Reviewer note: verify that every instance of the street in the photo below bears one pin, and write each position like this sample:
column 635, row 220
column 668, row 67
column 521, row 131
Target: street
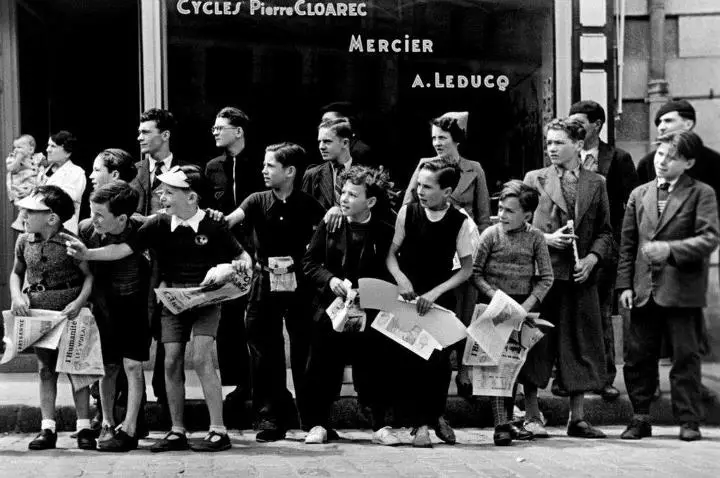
column 474, row 455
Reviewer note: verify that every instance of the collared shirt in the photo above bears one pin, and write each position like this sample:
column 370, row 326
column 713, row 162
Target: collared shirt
column 336, row 172
column 164, row 168
column 590, row 164
column 671, row 183
column 561, row 171
column 193, row 222
column 46, row 261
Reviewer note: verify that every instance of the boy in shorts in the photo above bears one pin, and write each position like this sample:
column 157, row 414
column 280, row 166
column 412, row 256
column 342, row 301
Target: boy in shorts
column 188, row 243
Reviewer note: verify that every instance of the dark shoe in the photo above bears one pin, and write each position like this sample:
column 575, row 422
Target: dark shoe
column 445, row 432
column 583, row 429
column 45, row 440
column 421, row 437
column 690, row 432
column 609, row 393
column 171, row 444
column 106, row 433
column 464, row 389
column 120, row 442
column 212, row 442
column 502, row 435
column 557, row 390
column 636, row 430
column 518, row 432
column 238, row 396
column 141, row 429
column 657, row 394
column 274, row 434
column 86, row 439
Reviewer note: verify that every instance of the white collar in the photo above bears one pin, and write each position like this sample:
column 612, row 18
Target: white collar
column 193, row 222
column 65, row 166
column 672, row 183
column 167, row 161
column 360, row 222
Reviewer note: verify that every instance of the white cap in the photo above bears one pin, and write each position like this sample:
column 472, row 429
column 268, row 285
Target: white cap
column 34, row 202
column 175, row 177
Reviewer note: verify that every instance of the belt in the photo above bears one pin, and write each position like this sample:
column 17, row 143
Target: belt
column 59, row 286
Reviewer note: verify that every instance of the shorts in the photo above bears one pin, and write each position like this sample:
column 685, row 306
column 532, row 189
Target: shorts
column 201, row 321
column 124, row 327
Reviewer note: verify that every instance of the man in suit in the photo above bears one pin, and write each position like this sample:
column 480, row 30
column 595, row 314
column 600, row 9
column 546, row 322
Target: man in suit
column 669, row 231
column 234, row 177
column 359, row 149
column 618, row 169
column 575, row 344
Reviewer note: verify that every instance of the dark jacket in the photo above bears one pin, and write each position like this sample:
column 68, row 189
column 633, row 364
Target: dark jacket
column 617, row 166
column 148, row 203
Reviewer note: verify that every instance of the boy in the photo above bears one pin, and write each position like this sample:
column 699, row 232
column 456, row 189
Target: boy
column 428, row 235
column 513, row 257
column 283, row 220
column 669, row 231
column 188, row 244
column 357, row 248
column 120, row 298
column 55, row 282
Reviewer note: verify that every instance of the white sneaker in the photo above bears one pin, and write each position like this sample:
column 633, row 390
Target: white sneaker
column 317, row 435
column 385, row 436
column 536, row 427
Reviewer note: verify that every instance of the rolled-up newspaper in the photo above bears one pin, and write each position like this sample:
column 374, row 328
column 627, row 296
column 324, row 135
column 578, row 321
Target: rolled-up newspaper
column 178, row 300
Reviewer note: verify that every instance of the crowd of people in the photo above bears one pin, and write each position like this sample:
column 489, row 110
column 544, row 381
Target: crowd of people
column 307, row 235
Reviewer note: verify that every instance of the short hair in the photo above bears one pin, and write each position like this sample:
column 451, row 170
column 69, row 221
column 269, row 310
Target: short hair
column 119, row 196
column 198, row 183
column 235, row 117
column 29, row 138
column 287, row 154
column 57, row 200
column 119, row 160
column 64, row 139
column 164, row 120
column 682, row 143
column 450, row 125
column 341, row 127
column 447, row 172
column 574, row 128
column 527, row 196
column 342, row 108
column 376, row 182
column 589, row 108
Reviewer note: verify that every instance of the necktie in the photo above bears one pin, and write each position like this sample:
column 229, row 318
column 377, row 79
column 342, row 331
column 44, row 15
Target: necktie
column 338, row 183
column 157, row 172
column 591, row 163
column 568, row 183
column 663, row 194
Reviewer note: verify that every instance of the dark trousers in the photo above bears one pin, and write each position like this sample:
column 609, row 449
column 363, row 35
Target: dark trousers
column 648, row 324
column 606, row 293
column 272, row 402
column 425, row 385
column 232, row 351
column 369, row 353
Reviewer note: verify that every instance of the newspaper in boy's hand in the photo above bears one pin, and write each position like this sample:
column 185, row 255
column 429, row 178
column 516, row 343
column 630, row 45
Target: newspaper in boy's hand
column 498, row 380
column 491, row 328
column 178, row 300
column 42, row 328
column 79, row 351
column 346, row 314
column 414, row 339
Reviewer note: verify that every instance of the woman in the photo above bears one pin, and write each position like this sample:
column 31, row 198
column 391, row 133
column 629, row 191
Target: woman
column 62, row 172
column 112, row 164
column 470, row 195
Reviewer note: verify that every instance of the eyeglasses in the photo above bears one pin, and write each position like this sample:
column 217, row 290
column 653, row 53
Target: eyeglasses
column 217, row 129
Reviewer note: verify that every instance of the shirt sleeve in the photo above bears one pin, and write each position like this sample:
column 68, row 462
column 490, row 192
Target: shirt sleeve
column 400, row 227
column 487, row 238
column 464, row 245
column 231, row 246
column 249, row 207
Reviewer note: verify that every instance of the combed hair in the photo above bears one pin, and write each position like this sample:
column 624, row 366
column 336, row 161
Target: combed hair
column 589, row 108
column 450, row 125
column 235, row 116
column 164, row 120
column 527, row 196
column 376, row 182
column 341, row 127
column 287, row 154
column 119, row 196
column 57, row 200
column 682, row 143
column 64, row 139
column 574, row 128
column 448, row 172
column 119, row 160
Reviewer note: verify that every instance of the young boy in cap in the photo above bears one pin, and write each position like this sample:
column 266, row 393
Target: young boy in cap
column 188, row 244
column 54, row 282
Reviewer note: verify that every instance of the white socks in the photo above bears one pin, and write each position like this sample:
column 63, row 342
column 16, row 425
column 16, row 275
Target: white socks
column 82, row 424
column 48, row 425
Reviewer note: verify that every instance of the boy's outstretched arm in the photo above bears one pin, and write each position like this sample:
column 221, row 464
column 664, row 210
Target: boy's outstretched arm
column 111, row 252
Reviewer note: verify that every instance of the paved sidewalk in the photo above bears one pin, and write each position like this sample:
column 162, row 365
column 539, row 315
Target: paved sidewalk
column 473, row 456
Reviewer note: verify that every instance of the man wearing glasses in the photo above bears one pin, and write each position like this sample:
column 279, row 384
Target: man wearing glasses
column 234, row 176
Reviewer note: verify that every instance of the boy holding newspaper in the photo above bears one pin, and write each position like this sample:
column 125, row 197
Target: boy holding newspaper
column 513, row 257
column 428, row 234
column 54, row 282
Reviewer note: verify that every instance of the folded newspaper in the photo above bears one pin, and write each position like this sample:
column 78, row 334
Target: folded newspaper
column 178, row 300
column 346, row 314
column 77, row 342
column 415, row 339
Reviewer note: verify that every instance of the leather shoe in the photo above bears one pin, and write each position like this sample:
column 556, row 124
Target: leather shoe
column 518, row 432
column 502, row 435
column 557, row 390
column 609, row 393
column 273, row 434
column 86, row 439
column 690, row 432
column 45, row 440
column 583, row 429
column 636, row 430
column 444, row 431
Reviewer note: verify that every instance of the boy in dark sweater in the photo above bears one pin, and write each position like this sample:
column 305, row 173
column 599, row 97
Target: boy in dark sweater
column 428, row 235
column 357, row 248
column 188, row 244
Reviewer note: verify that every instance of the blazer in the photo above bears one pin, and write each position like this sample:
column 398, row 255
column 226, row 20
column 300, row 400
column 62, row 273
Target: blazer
column 318, row 183
column 142, row 184
column 470, row 194
column 617, row 166
column 689, row 224
column 592, row 217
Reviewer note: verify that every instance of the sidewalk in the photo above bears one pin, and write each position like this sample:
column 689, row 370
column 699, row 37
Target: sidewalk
column 19, row 401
